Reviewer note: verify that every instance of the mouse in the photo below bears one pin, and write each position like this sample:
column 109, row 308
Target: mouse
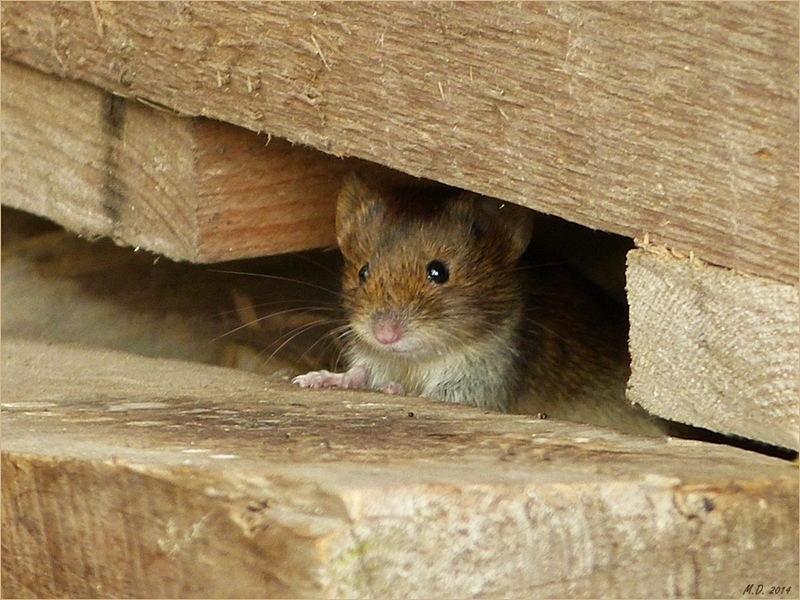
column 445, row 297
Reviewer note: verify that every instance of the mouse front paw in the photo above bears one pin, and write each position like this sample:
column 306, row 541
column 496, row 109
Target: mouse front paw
column 355, row 378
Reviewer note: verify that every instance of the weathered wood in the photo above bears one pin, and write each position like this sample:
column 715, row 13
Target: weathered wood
column 207, row 482
column 189, row 188
column 675, row 119
column 714, row 348
column 54, row 148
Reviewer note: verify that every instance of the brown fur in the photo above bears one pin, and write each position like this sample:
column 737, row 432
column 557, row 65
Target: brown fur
column 494, row 335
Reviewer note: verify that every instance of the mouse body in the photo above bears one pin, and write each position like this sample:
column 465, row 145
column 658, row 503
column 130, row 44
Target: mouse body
column 444, row 302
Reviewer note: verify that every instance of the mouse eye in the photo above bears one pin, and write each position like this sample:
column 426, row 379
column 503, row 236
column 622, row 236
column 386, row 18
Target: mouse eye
column 363, row 273
column 437, row 272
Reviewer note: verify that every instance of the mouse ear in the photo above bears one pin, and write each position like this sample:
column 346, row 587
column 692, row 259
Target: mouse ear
column 513, row 220
column 358, row 207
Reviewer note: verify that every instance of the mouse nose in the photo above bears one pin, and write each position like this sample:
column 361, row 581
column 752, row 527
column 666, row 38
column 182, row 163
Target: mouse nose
column 387, row 329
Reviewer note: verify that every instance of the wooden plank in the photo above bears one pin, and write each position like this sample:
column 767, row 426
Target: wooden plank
column 679, row 120
column 50, row 164
column 714, row 348
column 191, row 189
column 219, row 192
column 210, row 483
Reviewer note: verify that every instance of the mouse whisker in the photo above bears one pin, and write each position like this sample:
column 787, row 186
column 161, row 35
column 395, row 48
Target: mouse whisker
column 329, row 339
column 294, row 333
column 270, row 316
column 279, row 278
column 539, row 265
column 345, row 336
column 304, row 301
column 304, row 307
column 315, row 263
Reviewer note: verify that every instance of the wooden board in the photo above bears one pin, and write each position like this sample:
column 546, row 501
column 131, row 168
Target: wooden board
column 188, row 188
column 52, row 161
column 208, row 482
column 714, row 348
column 679, row 120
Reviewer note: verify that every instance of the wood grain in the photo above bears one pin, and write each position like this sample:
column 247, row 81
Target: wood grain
column 54, row 149
column 714, row 348
column 188, row 188
column 209, row 483
column 679, row 120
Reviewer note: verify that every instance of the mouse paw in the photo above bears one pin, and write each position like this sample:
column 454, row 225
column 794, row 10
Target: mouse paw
column 355, row 378
column 394, row 388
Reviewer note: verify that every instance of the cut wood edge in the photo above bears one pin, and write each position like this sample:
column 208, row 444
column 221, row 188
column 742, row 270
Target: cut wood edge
column 51, row 167
column 188, row 188
column 714, row 348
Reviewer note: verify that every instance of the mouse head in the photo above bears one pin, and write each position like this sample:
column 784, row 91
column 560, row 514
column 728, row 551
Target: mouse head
column 424, row 274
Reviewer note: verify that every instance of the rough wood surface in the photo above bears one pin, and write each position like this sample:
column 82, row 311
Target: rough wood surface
column 208, row 482
column 714, row 348
column 188, row 188
column 675, row 119
column 54, row 148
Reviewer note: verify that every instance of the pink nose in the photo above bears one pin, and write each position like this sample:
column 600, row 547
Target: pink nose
column 387, row 330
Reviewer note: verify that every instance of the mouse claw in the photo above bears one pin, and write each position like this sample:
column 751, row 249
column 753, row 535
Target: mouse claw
column 353, row 379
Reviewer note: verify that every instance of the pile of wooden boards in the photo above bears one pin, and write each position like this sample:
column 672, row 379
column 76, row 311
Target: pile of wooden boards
column 215, row 131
